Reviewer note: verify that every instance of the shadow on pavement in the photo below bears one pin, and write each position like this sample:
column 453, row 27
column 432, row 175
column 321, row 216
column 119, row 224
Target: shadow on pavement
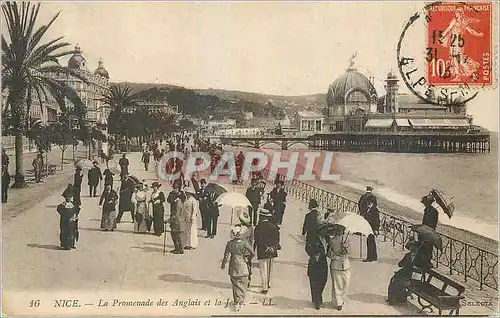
column 404, row 309
column 390, row 261
column 299, row 239
column 46, row 246
column 291, row 263
column 99, row 230
column 186, row 279
column 289, row 303
column 148, row 249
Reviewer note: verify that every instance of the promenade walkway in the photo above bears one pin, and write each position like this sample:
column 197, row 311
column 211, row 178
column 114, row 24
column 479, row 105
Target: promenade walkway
column 111, row 267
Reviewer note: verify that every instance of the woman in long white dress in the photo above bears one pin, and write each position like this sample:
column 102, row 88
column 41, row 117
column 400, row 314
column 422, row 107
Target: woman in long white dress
column 139, row 199
column 191, row 212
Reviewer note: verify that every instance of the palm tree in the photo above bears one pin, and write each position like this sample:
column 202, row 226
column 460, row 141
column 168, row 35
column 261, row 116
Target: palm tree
column 116, row 98
column 27, row 71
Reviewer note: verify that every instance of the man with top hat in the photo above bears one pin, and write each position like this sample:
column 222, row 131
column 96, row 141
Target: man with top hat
column 253, row 195
column 311, row 221
column 123, row 162
column 267, row 244
column 77, row 186
column 127, row 188
column 94, row 177
column 278, row 196
column 363, row 200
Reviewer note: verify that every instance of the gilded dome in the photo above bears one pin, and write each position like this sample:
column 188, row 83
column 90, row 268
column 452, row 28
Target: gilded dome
column 77, row 61
column 101, row 70
column 351, row 87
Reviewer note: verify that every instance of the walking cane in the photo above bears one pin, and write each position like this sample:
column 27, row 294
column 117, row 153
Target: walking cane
column 269, row 273
column 164, row 236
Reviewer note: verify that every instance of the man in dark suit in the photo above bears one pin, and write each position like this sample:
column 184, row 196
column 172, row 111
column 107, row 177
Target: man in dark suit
column 267, row 243
column 125, row 203
column 5, row 182
column 204, row 197
column 311, row 222
column 278, row 195
column 372, row 216
column 94, row 177
column 212, row 215
column 253, row 195
column 363, row 200
column 123, row 165
column 77, row 186
column 146, row 157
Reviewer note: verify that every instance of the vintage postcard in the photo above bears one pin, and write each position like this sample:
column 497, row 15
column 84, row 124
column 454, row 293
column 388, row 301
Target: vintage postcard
column 253, row 158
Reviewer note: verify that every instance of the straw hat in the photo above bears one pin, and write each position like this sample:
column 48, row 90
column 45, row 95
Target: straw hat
column 236, row 231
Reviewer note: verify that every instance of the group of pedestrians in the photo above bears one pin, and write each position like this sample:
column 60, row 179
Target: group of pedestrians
column 275, row 200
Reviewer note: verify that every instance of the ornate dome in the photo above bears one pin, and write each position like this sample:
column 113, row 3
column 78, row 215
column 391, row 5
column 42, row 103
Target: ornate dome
column 101, row 70
column 351, row 87
column 77, row 61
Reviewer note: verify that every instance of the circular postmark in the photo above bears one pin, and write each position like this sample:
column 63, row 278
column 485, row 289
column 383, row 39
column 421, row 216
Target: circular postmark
column 437, row 53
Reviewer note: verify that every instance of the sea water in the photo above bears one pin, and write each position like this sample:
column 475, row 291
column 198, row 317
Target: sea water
column 403, row 178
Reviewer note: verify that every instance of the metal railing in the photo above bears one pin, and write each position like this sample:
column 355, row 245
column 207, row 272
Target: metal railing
column 457, row 257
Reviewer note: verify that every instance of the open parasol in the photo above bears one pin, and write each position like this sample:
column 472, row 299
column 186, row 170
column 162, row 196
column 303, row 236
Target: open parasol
column 444, row 202
column 429, row 235
column 233, row 200
column 85, row 163
column 216, row 189
column 354, row 223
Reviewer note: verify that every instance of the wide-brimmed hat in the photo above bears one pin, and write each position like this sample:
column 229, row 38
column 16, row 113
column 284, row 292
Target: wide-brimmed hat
column 280, row 182
column 265, row 213
column 427, row 199
column 155, row 185
column 78, row 168
column 244, row 217
column 236, row 231
column 369, row 188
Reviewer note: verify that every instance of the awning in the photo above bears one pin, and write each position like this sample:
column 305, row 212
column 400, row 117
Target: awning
column 439, row 123
column 402, row 122
column 420, row 123
column 379, row 123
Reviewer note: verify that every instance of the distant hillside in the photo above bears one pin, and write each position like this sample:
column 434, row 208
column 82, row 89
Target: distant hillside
column 159, row 91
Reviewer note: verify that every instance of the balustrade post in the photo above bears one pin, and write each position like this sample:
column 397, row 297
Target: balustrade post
column 451, row 255
column 465, row 270
column 481, row 272
column 394, row 235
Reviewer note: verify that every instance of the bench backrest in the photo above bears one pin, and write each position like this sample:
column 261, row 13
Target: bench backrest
column 435, row 277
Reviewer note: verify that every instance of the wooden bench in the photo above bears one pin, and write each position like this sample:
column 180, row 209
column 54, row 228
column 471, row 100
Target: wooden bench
column 438, row 290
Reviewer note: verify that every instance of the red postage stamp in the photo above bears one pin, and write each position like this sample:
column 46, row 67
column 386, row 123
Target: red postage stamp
column 459, row 49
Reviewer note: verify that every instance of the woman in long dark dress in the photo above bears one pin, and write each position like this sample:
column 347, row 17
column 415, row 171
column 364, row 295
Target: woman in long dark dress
column 108, row 201
column 68, row 223
column 157, row 200
column 108, row 176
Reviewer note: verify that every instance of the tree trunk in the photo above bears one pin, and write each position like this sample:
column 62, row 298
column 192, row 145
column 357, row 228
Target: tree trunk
column 62, row 157
column 18, row 105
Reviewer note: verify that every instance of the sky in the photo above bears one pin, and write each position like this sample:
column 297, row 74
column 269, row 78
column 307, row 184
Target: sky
column 283, row 48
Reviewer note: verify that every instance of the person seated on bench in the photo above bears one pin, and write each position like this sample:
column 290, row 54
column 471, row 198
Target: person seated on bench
column 397, row 291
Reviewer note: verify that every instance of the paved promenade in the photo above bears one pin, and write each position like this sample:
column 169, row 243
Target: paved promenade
column 111, row 267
